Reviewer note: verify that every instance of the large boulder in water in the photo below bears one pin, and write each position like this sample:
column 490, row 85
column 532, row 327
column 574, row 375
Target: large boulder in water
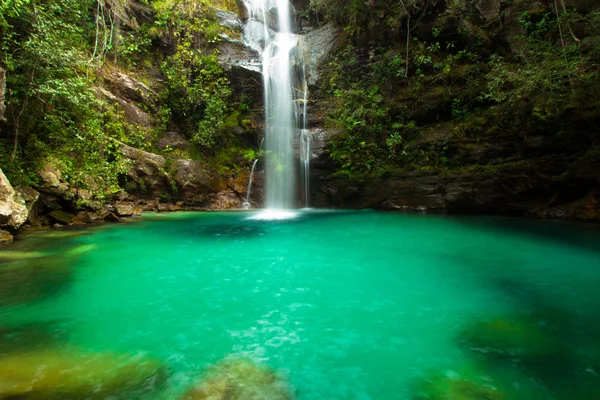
column 54, row 375
column 13, row 211
column 240, row 380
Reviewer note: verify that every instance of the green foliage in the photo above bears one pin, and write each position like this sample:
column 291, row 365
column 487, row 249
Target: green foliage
column 198, row 91
column 549, row 70
column 51, row 108
column 358, row 16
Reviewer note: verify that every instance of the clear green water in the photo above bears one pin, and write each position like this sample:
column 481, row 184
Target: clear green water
column 347, row 305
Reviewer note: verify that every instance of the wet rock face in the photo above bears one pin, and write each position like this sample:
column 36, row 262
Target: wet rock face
column 520, row 190
column 13, row 211
column 316, row 47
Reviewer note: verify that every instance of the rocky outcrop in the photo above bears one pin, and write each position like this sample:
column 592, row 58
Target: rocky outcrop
column 240, row 60
column 522, row 189
column 13, row 211
column 133, row 114
column 191, row 178
column 319, row 140
column 52, row 182
column 316, row 47
column 130, row 89
column 147, row 171
column 172, row 140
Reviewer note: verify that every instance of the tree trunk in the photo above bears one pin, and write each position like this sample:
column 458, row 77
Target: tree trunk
column 2, row 91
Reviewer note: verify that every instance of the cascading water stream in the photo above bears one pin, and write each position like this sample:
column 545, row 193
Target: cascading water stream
column 269, row 31
column 247, row 203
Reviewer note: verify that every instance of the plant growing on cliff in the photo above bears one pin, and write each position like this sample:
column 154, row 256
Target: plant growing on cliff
column 51, row 107
column 198, row 91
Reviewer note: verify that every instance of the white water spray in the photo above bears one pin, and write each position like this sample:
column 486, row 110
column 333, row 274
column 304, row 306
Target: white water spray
column 269, row 31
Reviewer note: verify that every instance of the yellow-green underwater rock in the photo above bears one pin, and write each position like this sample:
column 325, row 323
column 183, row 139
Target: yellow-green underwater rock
column 84, row 248
column 516, row 337
column 452, row 385
column 53, row 375
column 12, row 255
column 239, row 380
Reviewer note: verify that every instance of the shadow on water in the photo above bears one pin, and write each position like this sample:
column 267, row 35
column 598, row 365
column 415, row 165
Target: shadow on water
column 32, row 336
column 235, row 224
column 26, row 281
column 578, row 234
column 541, row 340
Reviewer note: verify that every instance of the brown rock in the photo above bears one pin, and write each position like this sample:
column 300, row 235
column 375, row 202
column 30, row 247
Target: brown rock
column 61, row 217
column 174, row 140
column 52, row 182
column 147, row 171
column 83, row 218
column 191, row 178
column 13, row 211
column 224, row 200
column 239, row 380
column 124, row 209
column 5, row 236
column 111, row 217
column 129, row 89
column 133, row 113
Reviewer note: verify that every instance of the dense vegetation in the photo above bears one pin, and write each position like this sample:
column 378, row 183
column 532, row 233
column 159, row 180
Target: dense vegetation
column 440, row 79
column 57, row 54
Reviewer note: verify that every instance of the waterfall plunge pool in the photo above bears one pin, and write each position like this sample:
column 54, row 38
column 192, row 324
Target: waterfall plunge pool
column 342, row 305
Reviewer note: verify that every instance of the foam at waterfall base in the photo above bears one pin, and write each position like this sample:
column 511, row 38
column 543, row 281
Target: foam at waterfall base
column 273, row 214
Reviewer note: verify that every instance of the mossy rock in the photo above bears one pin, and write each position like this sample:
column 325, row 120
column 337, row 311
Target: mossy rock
column 53, row 375
column 457, row 386
column 239, row 380
column 61, row 217
column 521, row 338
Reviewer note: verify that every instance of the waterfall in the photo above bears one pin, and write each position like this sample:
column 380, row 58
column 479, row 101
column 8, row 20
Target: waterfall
column 269, row 30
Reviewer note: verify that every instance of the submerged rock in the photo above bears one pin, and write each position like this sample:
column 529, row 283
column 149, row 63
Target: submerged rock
column 5, row 236
column 12, row 255
column 79, row 250
column 520, row 338
column 457, row 386
column 240, row 380
column 53, row 374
